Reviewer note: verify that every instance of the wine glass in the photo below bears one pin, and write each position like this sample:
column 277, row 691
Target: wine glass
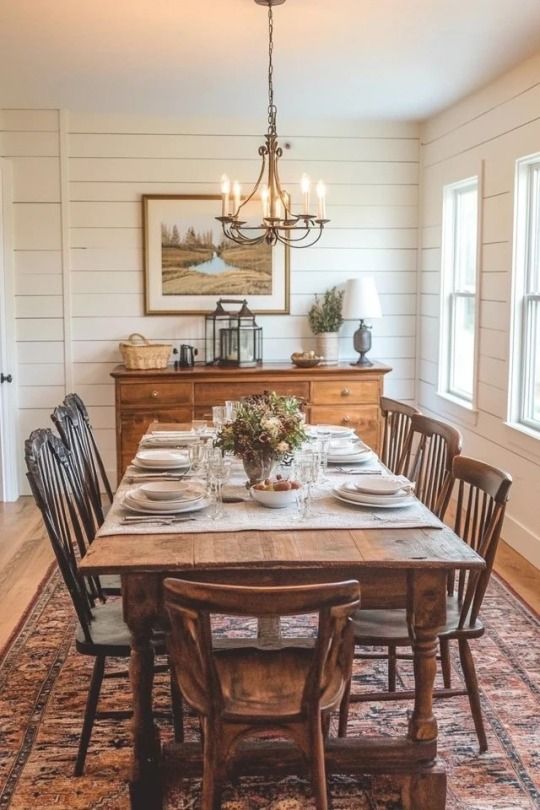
column 218, row 416
column 197, row 455
column 306, row 471
column 218, row 469
column 231, row 407
column 199, row 426
column 323, row 439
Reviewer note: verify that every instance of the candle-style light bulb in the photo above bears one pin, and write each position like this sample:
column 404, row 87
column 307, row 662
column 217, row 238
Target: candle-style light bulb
column 265, row 199
column 225, row 192
column 286, row 200
column 237, row 193
column 305, row 185
column 321, row 196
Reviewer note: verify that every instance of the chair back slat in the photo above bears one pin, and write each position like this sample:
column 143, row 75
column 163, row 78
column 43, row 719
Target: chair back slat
column 396, row 425
column 190, row 606
column 77, row 436
column 427, row 457
column 55, row 488
column 482, row 494
column 74, row 400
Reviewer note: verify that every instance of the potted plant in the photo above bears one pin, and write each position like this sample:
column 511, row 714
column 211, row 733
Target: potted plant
column 325, row 319
column 267, row 427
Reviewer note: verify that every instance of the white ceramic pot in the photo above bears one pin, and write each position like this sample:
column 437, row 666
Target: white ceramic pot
column 328, row 347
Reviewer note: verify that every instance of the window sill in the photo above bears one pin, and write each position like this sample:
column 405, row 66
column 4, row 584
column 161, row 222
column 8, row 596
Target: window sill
column 522, row 434
column 458, row 410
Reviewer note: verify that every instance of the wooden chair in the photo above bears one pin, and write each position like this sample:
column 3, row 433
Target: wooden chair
column 72, row 421
column 482, row 493
column 396, row 425
column 101, row 631
column 428, row 453
column 245, row 691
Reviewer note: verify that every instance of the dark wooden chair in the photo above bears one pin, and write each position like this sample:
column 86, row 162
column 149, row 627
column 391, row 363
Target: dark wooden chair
column 428, row 453
column 101, row 631
column 482, row 493
column 240, row 692
column 72, row 421
column 396, row 425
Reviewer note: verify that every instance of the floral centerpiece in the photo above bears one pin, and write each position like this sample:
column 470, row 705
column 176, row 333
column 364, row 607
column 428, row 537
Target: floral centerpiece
column 267, row 428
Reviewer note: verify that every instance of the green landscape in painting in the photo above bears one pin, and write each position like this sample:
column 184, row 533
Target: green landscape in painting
column 193, row 264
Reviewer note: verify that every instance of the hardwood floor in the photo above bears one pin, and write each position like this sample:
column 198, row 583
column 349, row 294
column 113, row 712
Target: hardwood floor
column 25, row 556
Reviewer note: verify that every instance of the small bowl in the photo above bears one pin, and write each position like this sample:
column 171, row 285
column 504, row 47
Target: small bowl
column 305, row 360
column 169, row 490
column 272, row 499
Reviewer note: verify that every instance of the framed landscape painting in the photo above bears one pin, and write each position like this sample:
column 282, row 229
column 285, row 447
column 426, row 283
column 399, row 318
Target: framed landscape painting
column 189, row 263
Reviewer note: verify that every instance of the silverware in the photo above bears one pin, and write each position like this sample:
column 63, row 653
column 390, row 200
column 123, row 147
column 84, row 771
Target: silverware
column 158, row 520
column 356, row 472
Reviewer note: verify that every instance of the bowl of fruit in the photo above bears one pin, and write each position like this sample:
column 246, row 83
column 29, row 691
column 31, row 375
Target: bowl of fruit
column 275, row 493
column 306, row 359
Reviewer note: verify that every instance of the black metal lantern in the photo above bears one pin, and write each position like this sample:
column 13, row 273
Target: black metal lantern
column 233, row 338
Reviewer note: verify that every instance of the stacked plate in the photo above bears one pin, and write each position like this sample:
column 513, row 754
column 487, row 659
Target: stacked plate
column 169, row 438
column 164, row 459
column 349, row 450
column 377, row 491
column 335, row 431
column 164, row 498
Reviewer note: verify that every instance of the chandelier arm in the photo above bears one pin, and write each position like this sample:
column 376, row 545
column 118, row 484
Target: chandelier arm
column 257, row 184
column 240, row 239
column 296, row 245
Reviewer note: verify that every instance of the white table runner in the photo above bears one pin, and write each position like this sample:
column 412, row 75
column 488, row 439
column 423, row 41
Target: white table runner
column 249, row 515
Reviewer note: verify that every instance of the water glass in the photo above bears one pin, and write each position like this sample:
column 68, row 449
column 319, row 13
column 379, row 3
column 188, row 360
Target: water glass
column 231, row 407
column 199, row 426
column 218, row 469
column 306, row 471
column 324, row 435
column 197, row 455
column 218, row 416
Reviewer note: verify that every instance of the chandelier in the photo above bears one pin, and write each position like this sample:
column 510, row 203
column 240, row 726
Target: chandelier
column 278, row 222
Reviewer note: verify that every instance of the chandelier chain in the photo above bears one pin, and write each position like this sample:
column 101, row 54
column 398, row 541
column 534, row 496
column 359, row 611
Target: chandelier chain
column 271, row 106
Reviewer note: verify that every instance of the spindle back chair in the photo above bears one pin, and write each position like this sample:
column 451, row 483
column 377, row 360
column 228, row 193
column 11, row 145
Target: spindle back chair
column 396, row 425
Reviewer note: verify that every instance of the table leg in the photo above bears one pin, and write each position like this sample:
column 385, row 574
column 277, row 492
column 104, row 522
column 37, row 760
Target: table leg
column 426, row 613
column 145, row 784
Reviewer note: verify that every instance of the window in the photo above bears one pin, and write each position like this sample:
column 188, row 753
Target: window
column 525, row 375
column 457, row 358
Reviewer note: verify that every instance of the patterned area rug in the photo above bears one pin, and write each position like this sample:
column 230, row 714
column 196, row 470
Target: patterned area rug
column 43, row 685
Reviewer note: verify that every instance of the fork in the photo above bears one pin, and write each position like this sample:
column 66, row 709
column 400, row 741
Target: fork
column 157, row 521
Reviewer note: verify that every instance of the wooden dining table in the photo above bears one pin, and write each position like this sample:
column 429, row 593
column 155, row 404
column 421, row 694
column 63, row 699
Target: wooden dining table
column 406, row 567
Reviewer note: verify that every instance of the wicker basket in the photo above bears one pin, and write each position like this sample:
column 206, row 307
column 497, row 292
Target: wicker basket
column 139, row 353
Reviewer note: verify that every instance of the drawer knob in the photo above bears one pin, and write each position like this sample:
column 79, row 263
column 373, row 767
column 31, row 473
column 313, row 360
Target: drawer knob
column 154, row 394
column 346, row 420
column 345, row 392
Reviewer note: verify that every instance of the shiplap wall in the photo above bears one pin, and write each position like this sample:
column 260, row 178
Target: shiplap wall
column 489, row 130
column 78, row 180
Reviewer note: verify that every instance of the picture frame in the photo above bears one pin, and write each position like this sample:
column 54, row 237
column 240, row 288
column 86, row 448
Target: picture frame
column 189, row 263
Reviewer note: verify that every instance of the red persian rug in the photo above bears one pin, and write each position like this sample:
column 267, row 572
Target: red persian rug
column 43, row 685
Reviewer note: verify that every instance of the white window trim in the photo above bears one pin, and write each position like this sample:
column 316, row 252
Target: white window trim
column 459, row 408
column 519, row 266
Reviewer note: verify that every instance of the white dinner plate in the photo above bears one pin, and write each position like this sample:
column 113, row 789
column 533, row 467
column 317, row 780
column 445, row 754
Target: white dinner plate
column 159, row 491
column 157, row 458
column 162, row 467
column 372, row 501
column 358, row 458
column 334, row 430
column 163, row 508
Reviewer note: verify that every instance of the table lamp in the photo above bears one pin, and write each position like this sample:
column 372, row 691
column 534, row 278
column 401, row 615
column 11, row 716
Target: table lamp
column 361, row 301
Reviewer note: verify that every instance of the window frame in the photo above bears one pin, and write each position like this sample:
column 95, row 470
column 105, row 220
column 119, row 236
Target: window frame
column 526, row 254
column 450, row 293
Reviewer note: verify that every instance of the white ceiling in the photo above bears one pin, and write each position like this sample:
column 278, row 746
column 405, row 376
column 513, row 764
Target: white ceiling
column 402, row 59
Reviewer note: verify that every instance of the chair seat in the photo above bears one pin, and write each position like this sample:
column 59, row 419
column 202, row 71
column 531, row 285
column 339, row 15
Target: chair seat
column 373, row 627
column 259, row 685
column 110, row 634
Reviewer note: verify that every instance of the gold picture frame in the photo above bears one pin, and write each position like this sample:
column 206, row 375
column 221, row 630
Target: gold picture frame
column 189, row 263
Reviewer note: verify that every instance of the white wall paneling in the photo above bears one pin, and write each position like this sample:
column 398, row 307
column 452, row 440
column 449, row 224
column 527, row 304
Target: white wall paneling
column 496, row 126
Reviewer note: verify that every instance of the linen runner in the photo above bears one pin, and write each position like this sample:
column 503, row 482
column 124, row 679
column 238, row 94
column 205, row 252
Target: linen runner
column 249, row 515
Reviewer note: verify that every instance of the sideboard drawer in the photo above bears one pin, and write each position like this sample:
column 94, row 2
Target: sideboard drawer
column 156, row 393
column 345, row 392
column 218, row 393
column 363, row 418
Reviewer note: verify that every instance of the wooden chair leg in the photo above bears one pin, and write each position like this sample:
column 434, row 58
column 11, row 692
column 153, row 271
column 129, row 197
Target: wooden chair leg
column 90, row 713
column 445, row 663
column 211, row 786
column 471, row 681
column 177, row 706
column 318, row 766
column 392, row 667
column 344, row 711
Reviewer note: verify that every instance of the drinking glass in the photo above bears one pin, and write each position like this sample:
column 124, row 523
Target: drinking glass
column 217, row 473
column 323, row 438
column 306, row 471
column 218, row 416
column 199, row 426
column 231, row 407
column 197, row 455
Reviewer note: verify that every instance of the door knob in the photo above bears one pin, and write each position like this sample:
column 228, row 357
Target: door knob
column 6, row 378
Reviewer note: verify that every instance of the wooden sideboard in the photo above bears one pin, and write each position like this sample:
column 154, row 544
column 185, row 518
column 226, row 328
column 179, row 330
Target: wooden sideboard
column 344, row 394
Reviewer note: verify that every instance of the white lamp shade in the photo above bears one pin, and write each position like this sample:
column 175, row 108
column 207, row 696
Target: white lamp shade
column 361, row 300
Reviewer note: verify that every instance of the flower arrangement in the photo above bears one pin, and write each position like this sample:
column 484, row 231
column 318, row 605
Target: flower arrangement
column 325, row 314
column 266, row 425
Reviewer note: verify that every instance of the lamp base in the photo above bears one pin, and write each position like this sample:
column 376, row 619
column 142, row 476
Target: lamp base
column 362, row 361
